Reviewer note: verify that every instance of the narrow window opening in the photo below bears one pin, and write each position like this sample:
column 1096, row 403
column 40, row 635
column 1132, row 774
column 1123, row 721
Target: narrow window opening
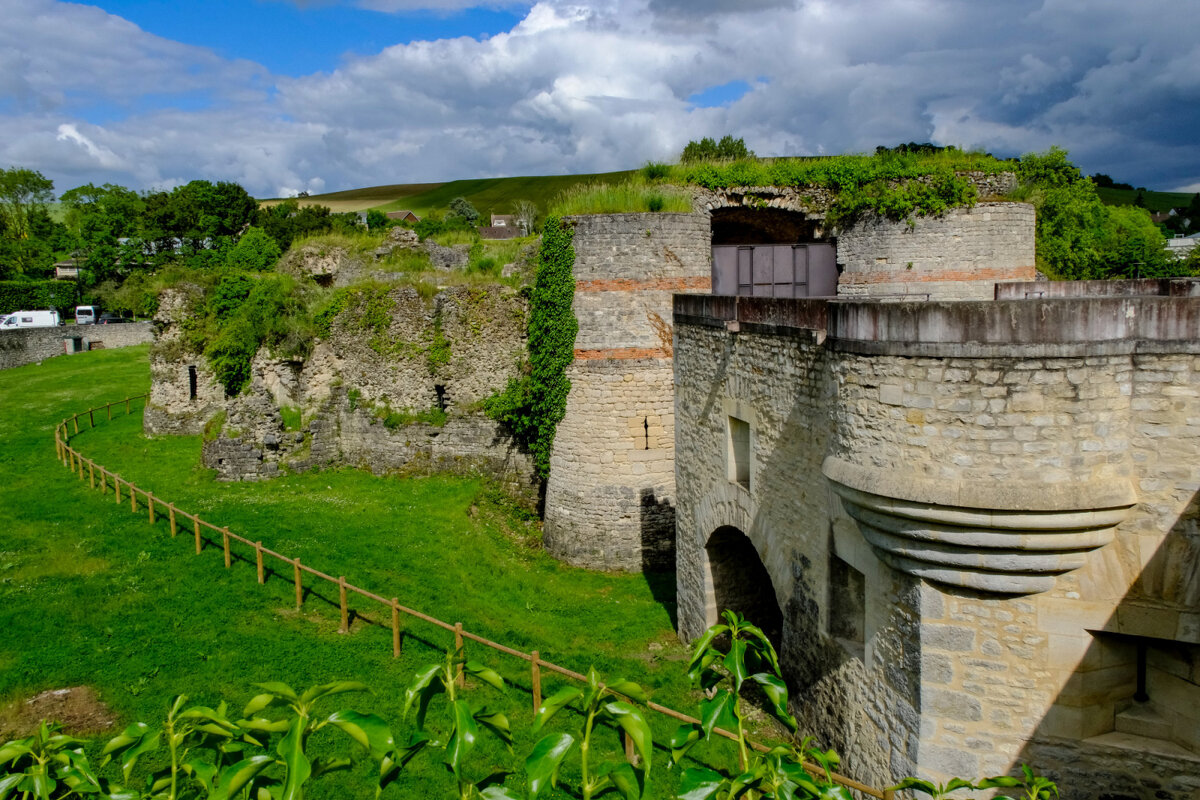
column 191, row 383
column 847, row 606
column 646, row 425
column 441, row 397
column 739, row 452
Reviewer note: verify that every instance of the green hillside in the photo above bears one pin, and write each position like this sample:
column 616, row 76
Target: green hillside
column 488, row 195
column 1155, row 201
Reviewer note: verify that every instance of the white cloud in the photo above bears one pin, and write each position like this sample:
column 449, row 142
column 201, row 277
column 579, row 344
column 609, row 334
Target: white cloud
column 578, row 87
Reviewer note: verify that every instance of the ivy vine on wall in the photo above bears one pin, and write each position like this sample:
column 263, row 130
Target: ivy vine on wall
column 533, row 405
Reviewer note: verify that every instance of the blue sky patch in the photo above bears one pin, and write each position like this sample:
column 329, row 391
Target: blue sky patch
column 723, row 95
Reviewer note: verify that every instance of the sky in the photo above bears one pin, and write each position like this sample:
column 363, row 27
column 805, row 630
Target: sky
column 285, row 96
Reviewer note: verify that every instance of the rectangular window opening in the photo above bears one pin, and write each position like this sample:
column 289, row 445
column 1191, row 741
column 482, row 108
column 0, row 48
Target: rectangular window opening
column 847, row 606
column 191, row 383
column 739, row 452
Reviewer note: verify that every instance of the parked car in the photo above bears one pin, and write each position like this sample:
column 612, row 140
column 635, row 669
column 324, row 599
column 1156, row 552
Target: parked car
column 108, row 318
column 31, row 319
column 86, row 315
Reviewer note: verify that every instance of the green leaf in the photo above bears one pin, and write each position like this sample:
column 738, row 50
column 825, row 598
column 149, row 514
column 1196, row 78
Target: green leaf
column 134, row 742
column 553, row 704
column 498, row 793
column 763, row 645
column 315, row 693
column 485, row 674
column 14, row 750
column 369, row 730
column 629, row 689
column 462, row 740
column 497, row 723
column 421, row 691
column 917, row 784
column 699, row 784
column 291, row 750
column 684, row 738
column 717, row 712
column 322, row 765
column 735, row 662
column 258, row 724
column 700, row 649
column 836, row 792
column 201, row 771
column 998, row 782
column 8, row 783
column 394, row 762
column 776, row 691
column 956, row 784
column 625, row 780
column 280, row 689
column 634, row 724
column 261, row 701
column 234, row 778
column 541, row 768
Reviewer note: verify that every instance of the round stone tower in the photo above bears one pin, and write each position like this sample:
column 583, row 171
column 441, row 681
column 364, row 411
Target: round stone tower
column 610, row 497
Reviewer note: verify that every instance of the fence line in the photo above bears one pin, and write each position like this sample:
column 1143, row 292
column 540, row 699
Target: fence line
column 76, row 461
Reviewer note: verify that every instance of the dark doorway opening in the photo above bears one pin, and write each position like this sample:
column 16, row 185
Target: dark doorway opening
column 741, row 582
column 441, row 396
column 191, row 383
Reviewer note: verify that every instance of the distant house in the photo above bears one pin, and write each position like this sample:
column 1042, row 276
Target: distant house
column 403, row 216
column 67, row 270
column 1181, row 245
column 504, row 221
column 504, row 226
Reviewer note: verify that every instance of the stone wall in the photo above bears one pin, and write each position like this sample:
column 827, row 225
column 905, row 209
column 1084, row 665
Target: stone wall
column 610, row 495
column 960, row 255
column 972, row 526
column 30, row 345
column 441, row 354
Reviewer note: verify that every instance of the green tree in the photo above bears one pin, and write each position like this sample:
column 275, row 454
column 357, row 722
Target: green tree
column 461, row 207
column 728, row 149
column 377, row 220
column 21, row 191
column 99, row 218
column 254, row 251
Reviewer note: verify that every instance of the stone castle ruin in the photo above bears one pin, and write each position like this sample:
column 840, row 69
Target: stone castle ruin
column 961, row 501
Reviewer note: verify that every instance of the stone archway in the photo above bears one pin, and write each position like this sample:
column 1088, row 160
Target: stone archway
column 741, row 583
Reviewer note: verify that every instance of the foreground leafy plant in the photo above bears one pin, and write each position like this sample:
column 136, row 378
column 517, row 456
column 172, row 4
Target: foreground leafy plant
column 466, row 722
column 601, row 703
column 47, row 764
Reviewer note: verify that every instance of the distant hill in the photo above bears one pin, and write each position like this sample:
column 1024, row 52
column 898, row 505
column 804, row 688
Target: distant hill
column 1155, row 201
column 488, row 195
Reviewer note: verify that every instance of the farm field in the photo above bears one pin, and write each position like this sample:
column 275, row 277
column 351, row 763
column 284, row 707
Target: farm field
column 91, row 594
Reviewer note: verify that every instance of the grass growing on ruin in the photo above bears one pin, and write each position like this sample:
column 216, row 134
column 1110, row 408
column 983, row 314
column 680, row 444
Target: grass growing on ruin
column 629, row 196
column 90, row 594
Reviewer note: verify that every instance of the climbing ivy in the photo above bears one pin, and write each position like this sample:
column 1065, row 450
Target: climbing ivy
column 533, row 405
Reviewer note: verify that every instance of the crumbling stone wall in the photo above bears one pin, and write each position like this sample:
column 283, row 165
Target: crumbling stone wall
column 867, row 424
column 446, row 354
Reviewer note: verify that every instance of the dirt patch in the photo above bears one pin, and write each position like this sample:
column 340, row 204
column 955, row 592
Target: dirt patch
column 78, row 708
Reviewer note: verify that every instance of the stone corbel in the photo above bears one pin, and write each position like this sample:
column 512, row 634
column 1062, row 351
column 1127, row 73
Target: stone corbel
column 1009, row 538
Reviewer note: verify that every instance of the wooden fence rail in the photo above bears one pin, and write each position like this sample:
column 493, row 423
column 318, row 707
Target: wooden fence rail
column 76, row 462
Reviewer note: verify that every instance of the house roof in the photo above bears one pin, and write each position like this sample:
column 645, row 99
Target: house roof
column 405, row 214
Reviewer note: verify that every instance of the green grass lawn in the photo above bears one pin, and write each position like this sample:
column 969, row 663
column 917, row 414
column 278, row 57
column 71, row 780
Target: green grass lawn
column 91, row 594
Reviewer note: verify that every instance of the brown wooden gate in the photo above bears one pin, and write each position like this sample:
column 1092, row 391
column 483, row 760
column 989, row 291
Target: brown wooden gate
column 775, row 270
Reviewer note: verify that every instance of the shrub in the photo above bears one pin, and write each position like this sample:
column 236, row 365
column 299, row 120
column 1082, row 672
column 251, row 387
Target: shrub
column 255, row 251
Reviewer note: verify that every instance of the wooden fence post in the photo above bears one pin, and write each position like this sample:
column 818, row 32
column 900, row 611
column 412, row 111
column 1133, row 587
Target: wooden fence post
column 117, row 487
column 225, row 541
column 342, row 600
column 459, row 655
column 91, row 474
column 80, row 461
column 92, row 416
column 150, row 504
column 132, row 497
column 75, row 419
column 109, row 407
column 536, row 680
column 258, row 558
column 171, row 513
column 103, row 481
column 395, row 627
column 126, row 405
column 196, row 529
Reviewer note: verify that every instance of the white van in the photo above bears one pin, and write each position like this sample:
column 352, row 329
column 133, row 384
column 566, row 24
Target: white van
column 30, row 319
column 86, row 315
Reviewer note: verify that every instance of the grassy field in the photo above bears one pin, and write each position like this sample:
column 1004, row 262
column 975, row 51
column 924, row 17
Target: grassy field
column 1155, row 201
column 92, row 595
column 488, row 195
